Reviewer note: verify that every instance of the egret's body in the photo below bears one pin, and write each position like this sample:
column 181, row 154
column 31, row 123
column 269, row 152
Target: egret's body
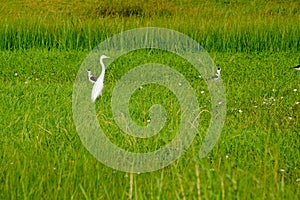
column 218, row 74
column 297, row 67
column 98, row 86
column 92, row 79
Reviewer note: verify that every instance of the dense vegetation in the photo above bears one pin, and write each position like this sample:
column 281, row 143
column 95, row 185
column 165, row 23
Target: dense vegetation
column 256, row 44
column 217, row 25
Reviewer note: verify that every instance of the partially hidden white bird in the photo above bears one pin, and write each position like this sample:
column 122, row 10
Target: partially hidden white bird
column 218, row 74
column 92, row 79
column 297, row 67
column 98, row 86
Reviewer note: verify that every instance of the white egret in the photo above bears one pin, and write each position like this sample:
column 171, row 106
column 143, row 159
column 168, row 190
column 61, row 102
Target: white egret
column 92, row 79
column 98, row 86
column 297, row 67
column 218, row 74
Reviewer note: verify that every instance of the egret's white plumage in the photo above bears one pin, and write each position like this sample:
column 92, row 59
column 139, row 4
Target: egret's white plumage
column 218, row 74
column 92, row 79
column 98, row 86
column 297, row 67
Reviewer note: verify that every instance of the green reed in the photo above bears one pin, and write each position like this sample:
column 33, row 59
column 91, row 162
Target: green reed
column 232, row 26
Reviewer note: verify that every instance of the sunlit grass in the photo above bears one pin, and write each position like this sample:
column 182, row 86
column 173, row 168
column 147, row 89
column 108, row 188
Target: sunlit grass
column 218, row 26
column 258, row 148
column 256, row 43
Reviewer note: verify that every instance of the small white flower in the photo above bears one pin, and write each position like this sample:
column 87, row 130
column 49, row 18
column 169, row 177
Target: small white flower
column 282, row 170
column 240, row 111
column 26, row 82
column 36, row 79
column 295, row 90
column 180, row 84
column 16, row 74
column 298, row 179
column 227, row 156
column 281, row 97
column 141, row 87
column 273, row 90
column 202, row 92
column 255, row 106
column 297, row 102
column 148, row 120
column 11, row 163
column 211, row 169
column 138, row 172
column 54, row 168
column 290, row 118
column 199, row 76
column 220, row 102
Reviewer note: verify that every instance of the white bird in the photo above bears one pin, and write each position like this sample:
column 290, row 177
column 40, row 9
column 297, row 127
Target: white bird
column 297, row 67
column 98, row 86
column 92, row 79
column 218, row 74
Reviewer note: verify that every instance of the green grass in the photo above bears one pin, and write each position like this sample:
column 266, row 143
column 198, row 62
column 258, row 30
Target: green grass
column 218, row 26
column 42, row 46
column 43, row 157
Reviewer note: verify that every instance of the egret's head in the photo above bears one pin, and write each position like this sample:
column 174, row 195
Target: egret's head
column 103, row 57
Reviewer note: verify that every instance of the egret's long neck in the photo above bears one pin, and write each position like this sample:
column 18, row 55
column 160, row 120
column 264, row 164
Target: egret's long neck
column 103, row 69
column 89, row 74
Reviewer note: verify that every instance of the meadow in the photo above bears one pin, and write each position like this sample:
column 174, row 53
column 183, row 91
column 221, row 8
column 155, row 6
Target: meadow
column 256, row 44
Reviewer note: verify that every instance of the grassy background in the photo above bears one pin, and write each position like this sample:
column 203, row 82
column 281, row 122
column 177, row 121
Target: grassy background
column 218, row 25
column 255, row 43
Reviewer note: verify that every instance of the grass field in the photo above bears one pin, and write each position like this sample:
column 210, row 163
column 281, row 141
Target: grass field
column 255, row 43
